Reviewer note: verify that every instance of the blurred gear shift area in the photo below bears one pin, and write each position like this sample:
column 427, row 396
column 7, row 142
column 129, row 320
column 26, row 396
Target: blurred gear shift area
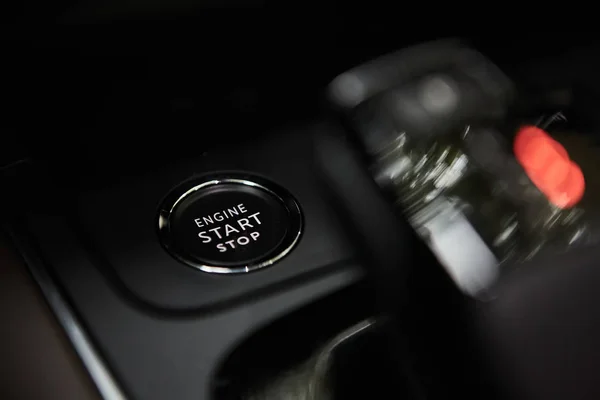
column 485, row 189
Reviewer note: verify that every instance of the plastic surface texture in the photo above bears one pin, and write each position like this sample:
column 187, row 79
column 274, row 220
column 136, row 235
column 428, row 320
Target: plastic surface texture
column 119, row 225
column 158, row 353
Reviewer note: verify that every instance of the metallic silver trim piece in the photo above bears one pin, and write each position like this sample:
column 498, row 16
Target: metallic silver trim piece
column 458, row 246
column 96, row 368
column 286, row 246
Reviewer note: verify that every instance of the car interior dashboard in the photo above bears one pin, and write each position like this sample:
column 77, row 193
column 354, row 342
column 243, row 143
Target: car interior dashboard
column 186, row 215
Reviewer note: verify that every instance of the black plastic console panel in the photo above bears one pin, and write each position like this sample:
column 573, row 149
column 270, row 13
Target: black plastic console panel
column 161, row 327
column 119, row 224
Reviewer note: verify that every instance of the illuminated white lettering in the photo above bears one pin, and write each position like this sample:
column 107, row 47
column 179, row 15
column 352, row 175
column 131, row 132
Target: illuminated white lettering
column 244, row 223
column 205, row 237
column 216, row 231
column 230, row 229
column 255, row 217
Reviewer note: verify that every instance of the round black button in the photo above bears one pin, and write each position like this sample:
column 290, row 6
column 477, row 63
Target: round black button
column 230, row 225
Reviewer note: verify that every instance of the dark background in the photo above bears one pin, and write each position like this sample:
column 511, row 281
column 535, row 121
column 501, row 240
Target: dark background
column 109, row 88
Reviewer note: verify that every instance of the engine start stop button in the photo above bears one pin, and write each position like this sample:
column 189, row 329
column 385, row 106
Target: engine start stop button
column 230, row 225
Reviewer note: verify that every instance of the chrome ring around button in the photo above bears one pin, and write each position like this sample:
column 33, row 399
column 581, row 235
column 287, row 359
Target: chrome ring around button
column 229, row 223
